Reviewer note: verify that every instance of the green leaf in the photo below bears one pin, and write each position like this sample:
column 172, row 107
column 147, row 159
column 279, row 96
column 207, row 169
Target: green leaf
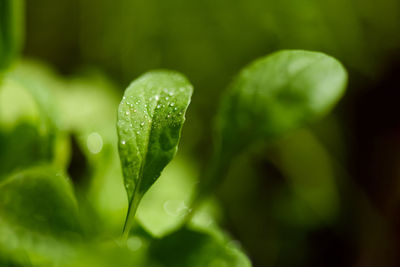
column 39, row 200
column 279, row 93
column 270, row 97
column 296, row 155
column 193, row 248
column 150, row 119
column 11, row 30
column 38, row 213
column 29, row 119
column 22, row 147
column 164, row 207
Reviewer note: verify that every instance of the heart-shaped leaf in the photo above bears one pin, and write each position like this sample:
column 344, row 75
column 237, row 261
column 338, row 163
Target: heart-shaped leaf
column 150, row 119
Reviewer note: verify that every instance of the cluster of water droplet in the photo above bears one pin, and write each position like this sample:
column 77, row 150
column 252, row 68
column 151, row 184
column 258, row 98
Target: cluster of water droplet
column 146, row 106
column 138, row 110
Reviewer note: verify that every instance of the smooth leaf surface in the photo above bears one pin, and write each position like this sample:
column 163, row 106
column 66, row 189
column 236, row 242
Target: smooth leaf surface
column 38, row 214
column 29, row 119
column 39, row 200
column 270, row 97
column 164, row 207
column 296, row 155
column 278, row 93
column 192, row 248
column 22, row 147
column 11, row 25
column 150, row 119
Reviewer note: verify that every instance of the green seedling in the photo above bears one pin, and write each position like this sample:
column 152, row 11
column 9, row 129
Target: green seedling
column 41, row 218
column 150, row 119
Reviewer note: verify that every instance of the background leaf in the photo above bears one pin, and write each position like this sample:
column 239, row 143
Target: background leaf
column 192, row 248
column 38, row 213
column 163, row 208
column 28, row 119
column 11, row 28
column 270, row 97
column 276, row 94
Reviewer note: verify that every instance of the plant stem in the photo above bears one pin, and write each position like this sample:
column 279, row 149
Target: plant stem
column 130, row 217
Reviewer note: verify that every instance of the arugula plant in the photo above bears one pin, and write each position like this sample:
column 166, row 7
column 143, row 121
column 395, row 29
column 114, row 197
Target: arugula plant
column 43, row 215
column 150, row 119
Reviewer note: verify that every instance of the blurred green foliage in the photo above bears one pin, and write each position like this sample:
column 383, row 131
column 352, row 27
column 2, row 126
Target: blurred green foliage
column 291, row 203
column 11, row 31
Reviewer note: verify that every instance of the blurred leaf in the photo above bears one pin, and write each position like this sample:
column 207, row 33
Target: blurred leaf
column 276, row 94
column 39, row 200
column 88, row 102
column 110, row 253
column 11, row 30
column 41, row 83
column 20, row 148
column 270, row 97
column 28, row 121
column 84, row 97
column 38, row 213
column 17, row 104
column 164, row 207
column 150, row 119
column 297, row 155
column 191, row 248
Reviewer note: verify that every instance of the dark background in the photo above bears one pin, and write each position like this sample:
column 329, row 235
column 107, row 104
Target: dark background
column 209, row 41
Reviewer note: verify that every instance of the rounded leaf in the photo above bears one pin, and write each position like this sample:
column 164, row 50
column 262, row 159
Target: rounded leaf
column 278, row 93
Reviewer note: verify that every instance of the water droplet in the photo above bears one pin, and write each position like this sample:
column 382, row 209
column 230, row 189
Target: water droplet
column 158, row 106
column 172, row 104
column 175, row 108
column 134, row 243
column 137, row 132
column 157, row 97
column 145, row 105
column 127, row 113
column 134, row 110
column 169, row 115
column 171, row 93
column 142, row 124
column 175, row 208
column 123, row 142
column 124, row 98
column 167, row 98
column 94, row 143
